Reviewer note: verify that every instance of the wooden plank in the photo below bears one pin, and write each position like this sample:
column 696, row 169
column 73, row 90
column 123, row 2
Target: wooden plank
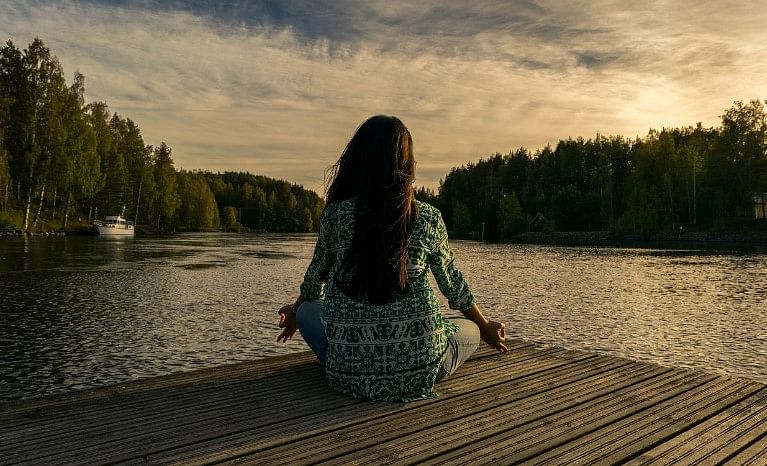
column 112, row 395
column 535, row 430
column 179, row 386
column 278, row 436
column 716, row 439
column 482, row 425
column 133, row 440
column 406, row 433
column 622, row 440
column 484, row 351
column 184, row 422
column 254, row 440
column 532, row 404
column 754, row 455
column 89, row 399
column 300, row 381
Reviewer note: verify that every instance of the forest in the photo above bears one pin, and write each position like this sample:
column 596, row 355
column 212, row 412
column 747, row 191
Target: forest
column 696, row 178
column 65, row 163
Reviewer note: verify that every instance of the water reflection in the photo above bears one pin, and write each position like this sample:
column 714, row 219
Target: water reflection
column 679, row 308
column 79, row 312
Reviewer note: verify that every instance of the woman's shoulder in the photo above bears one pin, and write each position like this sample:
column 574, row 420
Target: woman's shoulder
column 344, row 206
column 428, row 225
column 427, row 212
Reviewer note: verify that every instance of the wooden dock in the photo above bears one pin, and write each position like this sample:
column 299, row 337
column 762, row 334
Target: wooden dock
column 532, row 405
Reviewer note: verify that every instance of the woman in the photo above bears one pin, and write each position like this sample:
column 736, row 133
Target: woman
column 379, row 331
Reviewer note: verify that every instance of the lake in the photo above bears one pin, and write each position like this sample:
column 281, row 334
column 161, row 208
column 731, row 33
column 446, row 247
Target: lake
column 80, row 312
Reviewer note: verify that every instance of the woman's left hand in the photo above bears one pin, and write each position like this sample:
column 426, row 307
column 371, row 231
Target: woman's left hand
column 494, row 334
column 287, row 322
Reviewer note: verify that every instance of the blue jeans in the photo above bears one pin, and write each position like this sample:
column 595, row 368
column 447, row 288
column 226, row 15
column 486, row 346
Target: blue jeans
column 460, row 346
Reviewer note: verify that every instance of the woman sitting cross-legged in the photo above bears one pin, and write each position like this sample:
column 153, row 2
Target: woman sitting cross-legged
column 379, row 330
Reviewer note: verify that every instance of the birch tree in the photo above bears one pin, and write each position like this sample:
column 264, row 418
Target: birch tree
column 80, row 173
column 166, row 186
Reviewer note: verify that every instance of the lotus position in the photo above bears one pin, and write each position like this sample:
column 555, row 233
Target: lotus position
column 366, row 307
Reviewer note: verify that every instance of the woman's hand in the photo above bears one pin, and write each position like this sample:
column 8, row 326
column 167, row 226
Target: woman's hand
column 494, row 334
column 287, row 322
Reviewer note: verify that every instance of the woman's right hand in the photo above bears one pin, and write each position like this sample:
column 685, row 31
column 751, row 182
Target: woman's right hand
column 494, row 334
column 287, row 322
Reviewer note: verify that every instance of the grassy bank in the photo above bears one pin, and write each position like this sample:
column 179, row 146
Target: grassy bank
column 11, row 222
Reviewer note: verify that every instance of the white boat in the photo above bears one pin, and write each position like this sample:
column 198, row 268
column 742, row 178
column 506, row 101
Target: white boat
column 116, row 225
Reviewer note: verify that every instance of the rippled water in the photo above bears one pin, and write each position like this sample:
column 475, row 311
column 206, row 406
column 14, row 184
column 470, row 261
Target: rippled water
column 80, row 312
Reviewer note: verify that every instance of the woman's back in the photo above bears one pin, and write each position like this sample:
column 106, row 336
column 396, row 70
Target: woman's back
column 379, row 331
column 389, row 351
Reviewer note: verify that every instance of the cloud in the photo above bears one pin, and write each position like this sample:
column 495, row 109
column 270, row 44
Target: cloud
column 278, row 88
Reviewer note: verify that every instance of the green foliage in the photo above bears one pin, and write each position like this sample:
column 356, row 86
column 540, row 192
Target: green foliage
column 511, row 219
column 576, row 211
column 93, row 163
column 462, row 222
column 6, row 223
column 229, row 219
column 427, row 195
column 5, row 175
column 166, row 189
column 305, row 222
column 62, row 158
column 198, row 210
column 79, row 165
column 267, row 204
column 701, row 178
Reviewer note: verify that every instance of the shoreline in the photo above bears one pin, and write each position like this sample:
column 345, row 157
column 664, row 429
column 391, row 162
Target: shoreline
column 47, row 233
column 685, row 239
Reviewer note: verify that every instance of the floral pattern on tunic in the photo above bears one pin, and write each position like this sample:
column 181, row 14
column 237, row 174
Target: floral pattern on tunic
column 392, row 351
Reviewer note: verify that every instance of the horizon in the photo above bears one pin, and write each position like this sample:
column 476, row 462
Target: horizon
column 468, row 82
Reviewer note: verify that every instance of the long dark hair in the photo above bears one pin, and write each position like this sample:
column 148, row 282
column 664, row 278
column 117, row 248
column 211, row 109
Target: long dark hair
column 377, row 168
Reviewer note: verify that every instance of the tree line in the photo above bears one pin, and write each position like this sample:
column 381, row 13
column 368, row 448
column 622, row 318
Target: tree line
column 692, row 177
column 62, row 158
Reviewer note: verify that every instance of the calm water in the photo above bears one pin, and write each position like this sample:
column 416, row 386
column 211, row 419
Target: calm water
column 80, row 312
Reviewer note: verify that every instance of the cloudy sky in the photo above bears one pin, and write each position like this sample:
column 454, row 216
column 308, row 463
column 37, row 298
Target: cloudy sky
column 277, row 88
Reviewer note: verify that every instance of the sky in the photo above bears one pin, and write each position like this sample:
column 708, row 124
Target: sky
column 278, row 88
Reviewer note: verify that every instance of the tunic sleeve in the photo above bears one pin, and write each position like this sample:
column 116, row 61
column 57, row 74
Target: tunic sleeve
column 316, row 274
column 449, row 279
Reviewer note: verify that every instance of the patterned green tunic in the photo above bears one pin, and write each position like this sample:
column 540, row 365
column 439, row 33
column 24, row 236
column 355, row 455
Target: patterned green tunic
column 389, row 352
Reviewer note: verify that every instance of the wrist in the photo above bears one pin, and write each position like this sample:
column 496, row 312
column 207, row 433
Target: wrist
column 288, row 310
column 485, row 327
column 299, row 301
